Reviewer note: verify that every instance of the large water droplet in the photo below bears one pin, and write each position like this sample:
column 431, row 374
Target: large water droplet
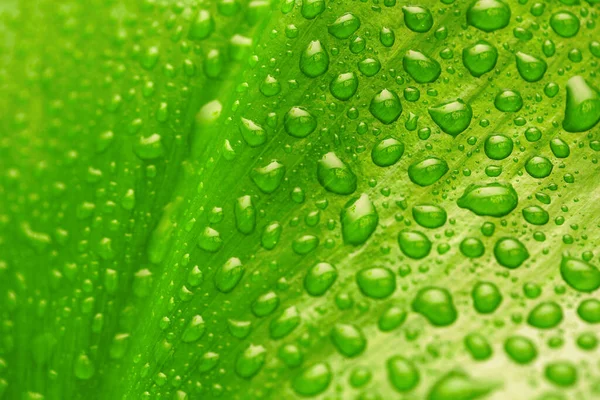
column 498, row 147
column 488, row 15
column 428, row 171
column 334, row 175
column 545, row 315
column 344, row 26
column 510, row 252
column 319, row 278
column 387, row 152
column 538, row 167
column 402, row 373
column 386, row 106
column 421, row 68
column 480, row 58
column 531, row 68
column 250, row 361
column 253, row 133
column 344, row 86
column 245, row 214
column 580, row 275
column 520, row 349
column 312, row 380
column 414, row 244
column 269, row 177
column 492, row 199
column 452, row 117
column 564, row 23
column 348, row 339
column 417, row 18
column 229, row 274
column 376, row 282
column 582, row 109
column 429, row 215
column 359, row 219
column 299, row 122
column 436, row 305
column 314, row 60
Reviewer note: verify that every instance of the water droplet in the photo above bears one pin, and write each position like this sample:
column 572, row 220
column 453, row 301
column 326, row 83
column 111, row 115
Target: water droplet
column 84, row 368
column 561, row 373
column 194, row 330
column 376, row 282
column 564, row 23
column 291, row 355
column 478, row 346
column 344, row 86
column 253, row 134
column 270, row 235
column 472, row 247
column 210, row 240
column 498, row 147
column 417, row 18
column 359, row 219
column 480, row 58
column 510, row 252
column 314, row 60
column 304, row 244
column 436, row 305
column 387, row 37
column 391, row 318
column 334, row 175
column 582, row 109
column 229, row 274
column 265, row 304
column 492, row 199
column 559, row 148
column 299, row 122
column 488, row 15
column 580, row 275
column 414, row 244
column 589, row 311
column 344, row 26
column 387, row 152
column 285, row 323
column 250, row 361
column 421, row 68
column 520, row 349
column 239, row 329
column 508, row 100
column 348, row 339
column 536, row 215
column 402, row 373
column 202, row 26
column 457, row 385
column 319, row 278
column 270, row 86
column 452, row 117
column 312, row 380
column 149, row 148
column 538, row 167
column 269, row 177
column 429, row 215
column 531, row 68
column 386, row 106
column 369, row 67
column 428, row 171
column 245, row 215
column 312, row 8
column 545, row 315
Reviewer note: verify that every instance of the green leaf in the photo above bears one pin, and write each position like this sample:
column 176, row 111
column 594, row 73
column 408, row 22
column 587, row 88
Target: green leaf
column 256, row 199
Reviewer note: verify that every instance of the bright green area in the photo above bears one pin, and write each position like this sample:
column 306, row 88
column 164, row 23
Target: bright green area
column 283, row 199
